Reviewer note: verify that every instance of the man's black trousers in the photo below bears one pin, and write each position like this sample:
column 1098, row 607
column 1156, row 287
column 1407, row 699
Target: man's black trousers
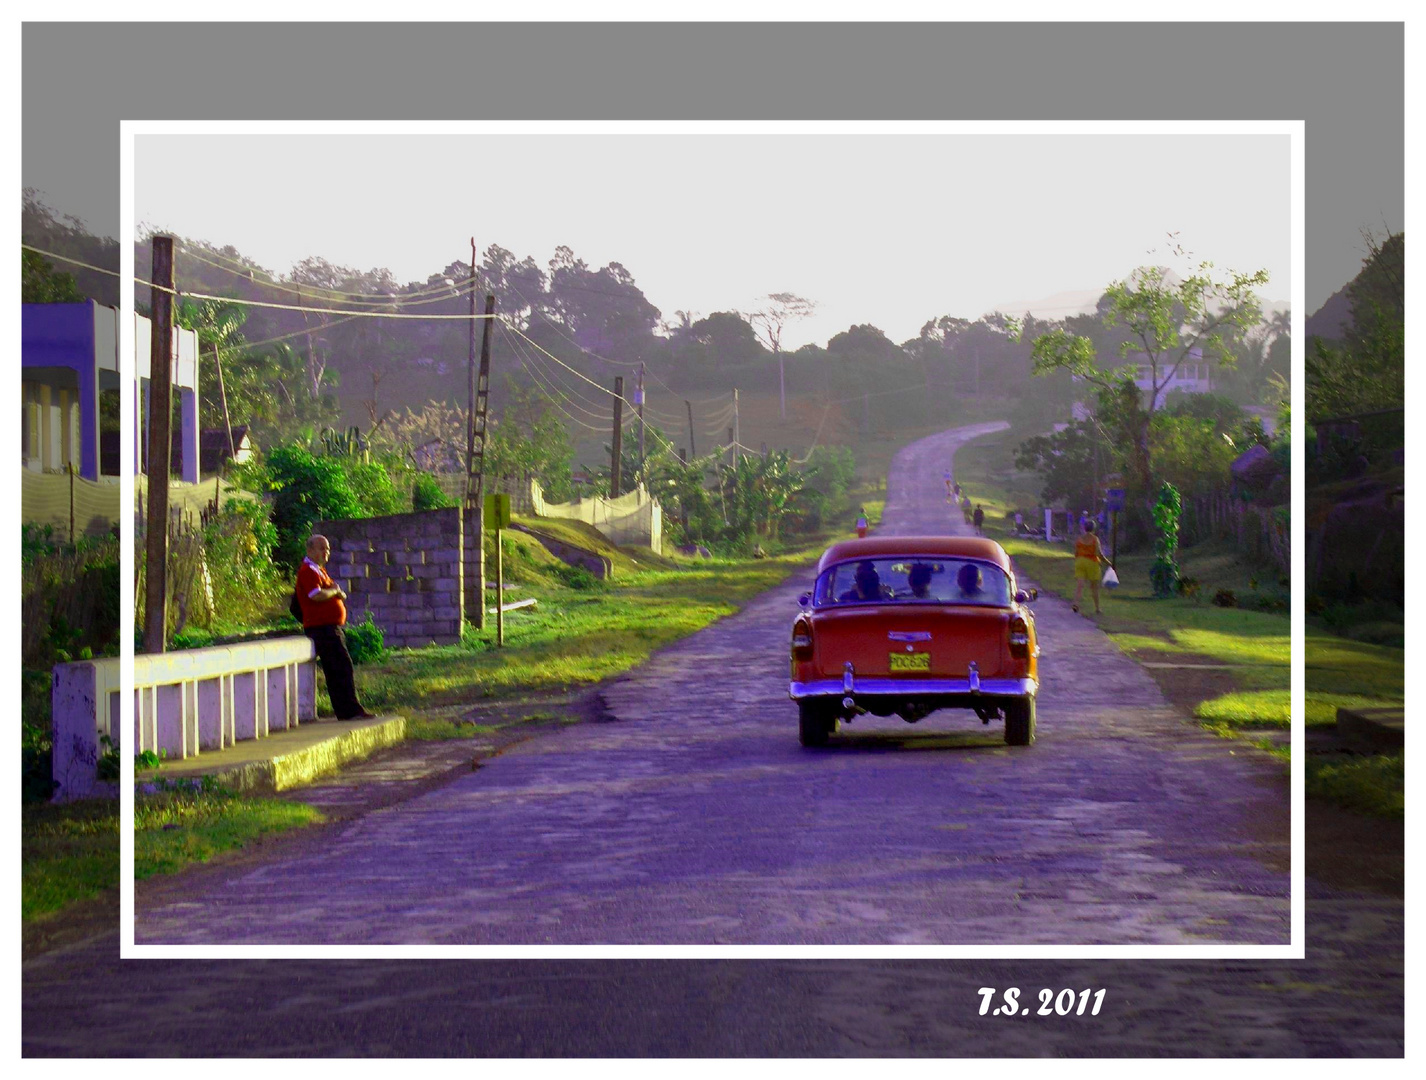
column 331, row 645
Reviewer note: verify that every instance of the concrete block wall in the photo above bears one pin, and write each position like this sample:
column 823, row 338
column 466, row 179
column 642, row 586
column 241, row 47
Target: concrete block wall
column 405, row 570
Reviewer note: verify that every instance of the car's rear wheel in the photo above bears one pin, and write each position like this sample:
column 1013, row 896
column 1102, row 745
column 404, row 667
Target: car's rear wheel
column 1020, row 722
column 816, row 722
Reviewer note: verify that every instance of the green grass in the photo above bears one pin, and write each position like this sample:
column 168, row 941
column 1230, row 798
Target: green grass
column 1371, row 785
column 1254, row 636
column 70, row 852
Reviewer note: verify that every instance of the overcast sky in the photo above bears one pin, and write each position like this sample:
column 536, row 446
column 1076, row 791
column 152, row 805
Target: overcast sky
column 887, row 229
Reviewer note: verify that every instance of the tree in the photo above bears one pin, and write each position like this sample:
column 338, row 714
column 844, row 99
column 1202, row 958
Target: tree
column 40, row 283
column 727, row 337
column 1366, row 371
column 777, row 311
column 1167, row 320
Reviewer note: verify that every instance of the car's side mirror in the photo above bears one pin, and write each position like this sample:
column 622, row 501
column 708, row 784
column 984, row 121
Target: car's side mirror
column 1023, row 597
column 804, row 599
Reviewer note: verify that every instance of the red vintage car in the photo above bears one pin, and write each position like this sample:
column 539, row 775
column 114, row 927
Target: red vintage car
column 908, row 625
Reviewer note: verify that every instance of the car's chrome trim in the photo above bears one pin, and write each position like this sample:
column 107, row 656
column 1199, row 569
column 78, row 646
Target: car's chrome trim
column 909, row 635
column 973, row 677
column 914, row 687
column 848, row 678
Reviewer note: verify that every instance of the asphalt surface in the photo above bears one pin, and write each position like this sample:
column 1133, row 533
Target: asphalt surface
column 694, row 815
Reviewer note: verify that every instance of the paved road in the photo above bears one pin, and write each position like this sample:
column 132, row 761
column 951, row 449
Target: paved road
column 695, row 816
column 1345, row 999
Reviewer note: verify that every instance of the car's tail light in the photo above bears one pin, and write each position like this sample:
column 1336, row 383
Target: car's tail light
column 802, row 640
column 1019, row 637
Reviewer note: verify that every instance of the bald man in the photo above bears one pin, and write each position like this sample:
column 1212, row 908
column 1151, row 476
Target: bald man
column 323, row 616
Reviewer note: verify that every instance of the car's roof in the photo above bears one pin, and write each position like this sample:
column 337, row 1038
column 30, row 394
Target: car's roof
column 964, row 547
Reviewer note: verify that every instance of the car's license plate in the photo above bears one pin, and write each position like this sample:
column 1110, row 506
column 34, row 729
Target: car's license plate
column 916, row 661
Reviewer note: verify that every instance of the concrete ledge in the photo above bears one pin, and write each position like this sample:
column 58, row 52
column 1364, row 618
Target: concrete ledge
column 1377, row 730
column 289, row 759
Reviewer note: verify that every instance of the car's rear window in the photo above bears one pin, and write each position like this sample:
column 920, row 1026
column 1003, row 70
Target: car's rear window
column 913, row 581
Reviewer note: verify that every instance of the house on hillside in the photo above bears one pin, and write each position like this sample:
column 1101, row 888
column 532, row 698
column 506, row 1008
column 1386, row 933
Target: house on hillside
column 1194, row 376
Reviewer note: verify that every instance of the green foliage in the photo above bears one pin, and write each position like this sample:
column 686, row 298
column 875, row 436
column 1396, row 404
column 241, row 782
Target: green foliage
column 371, row 484
column 1163, row 575
column 427, row 494
column 1372, row 785
column 577, row 577
column 366, row 642
column 305, row 489
column 40, row 283
column 1365, row 372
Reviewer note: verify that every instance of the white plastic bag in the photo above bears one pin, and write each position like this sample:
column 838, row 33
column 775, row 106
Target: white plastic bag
column 1111, row 579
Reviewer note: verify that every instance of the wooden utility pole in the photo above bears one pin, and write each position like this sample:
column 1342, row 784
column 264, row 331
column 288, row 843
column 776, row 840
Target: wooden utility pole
column 737, row 428
column 732, row 449
column 617, row 449
column 159, row 443
column 639, row 404
column 479, row 416
column 223, row 400
column 692, row 446
column 470, row 397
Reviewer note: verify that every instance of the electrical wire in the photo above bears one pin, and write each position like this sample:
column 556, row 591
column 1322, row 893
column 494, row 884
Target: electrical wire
column 546, row 380
column 67, row 259
column 432, row 295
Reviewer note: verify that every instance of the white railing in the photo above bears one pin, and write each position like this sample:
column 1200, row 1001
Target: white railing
column 185, row 703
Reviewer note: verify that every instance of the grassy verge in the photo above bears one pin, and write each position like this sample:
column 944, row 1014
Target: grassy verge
column 1249, row 698
column 70, row 852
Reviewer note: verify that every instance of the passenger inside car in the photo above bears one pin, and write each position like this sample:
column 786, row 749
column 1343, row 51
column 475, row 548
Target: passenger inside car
column 968, row 580
column 866, row 585
column 918, row 580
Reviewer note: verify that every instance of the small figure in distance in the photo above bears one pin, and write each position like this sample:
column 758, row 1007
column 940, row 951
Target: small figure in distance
column 866, row 585
column 979, row 519
column 969, row 581
column 1019, row 523
column 919, row 581
column 1088, row 555
column 862, row 525
column 965, row 508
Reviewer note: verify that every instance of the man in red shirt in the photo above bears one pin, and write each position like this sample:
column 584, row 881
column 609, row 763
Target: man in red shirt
column 323, row 616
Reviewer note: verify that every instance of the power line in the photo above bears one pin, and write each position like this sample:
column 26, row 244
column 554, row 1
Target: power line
column 433, row 295
column 532, row 368
column 67, row 259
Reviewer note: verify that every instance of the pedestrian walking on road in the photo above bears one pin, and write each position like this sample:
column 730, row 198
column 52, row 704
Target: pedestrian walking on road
column 1088, row 555
column 979, row 519
column 965, row 508
column 323, row 616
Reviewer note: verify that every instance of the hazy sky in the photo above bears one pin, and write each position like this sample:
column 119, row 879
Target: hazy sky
column 887, row 229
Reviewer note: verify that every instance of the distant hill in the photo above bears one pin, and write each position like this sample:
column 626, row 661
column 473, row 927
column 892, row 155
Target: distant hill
column 1331, row 318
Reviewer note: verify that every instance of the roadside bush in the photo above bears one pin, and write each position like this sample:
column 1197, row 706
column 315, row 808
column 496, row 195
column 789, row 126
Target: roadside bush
column 1225, row 598
column 576, row 577
column 427, row 494
column 366, row 642
column 371, row 484
column 305, row 489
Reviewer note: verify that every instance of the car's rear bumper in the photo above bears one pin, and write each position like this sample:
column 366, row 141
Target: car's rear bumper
column 914, row 688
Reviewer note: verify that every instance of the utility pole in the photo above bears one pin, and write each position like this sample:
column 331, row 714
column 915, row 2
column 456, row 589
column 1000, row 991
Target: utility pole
column 470, row 396
column 160, row 448
column 478, row 427
column 223, row 400
column 639, row 402
column 617, row 448
column 732, row 449
column 737, row 429
column 692, row 446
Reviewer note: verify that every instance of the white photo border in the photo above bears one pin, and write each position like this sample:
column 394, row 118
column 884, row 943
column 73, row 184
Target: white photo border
column 1295, row 949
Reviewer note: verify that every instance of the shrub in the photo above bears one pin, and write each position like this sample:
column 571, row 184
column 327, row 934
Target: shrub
column 372, row 486
column 576, row 577
column 1225, row 598
column 305, row 489
column 427, row 494
column 1188, row 588
column 1164, row 573
column 366, row 642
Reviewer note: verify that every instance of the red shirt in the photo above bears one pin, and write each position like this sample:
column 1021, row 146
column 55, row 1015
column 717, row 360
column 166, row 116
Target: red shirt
column 310, row 578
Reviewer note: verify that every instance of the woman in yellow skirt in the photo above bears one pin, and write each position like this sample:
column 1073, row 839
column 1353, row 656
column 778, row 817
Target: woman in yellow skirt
column 1088, row 556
